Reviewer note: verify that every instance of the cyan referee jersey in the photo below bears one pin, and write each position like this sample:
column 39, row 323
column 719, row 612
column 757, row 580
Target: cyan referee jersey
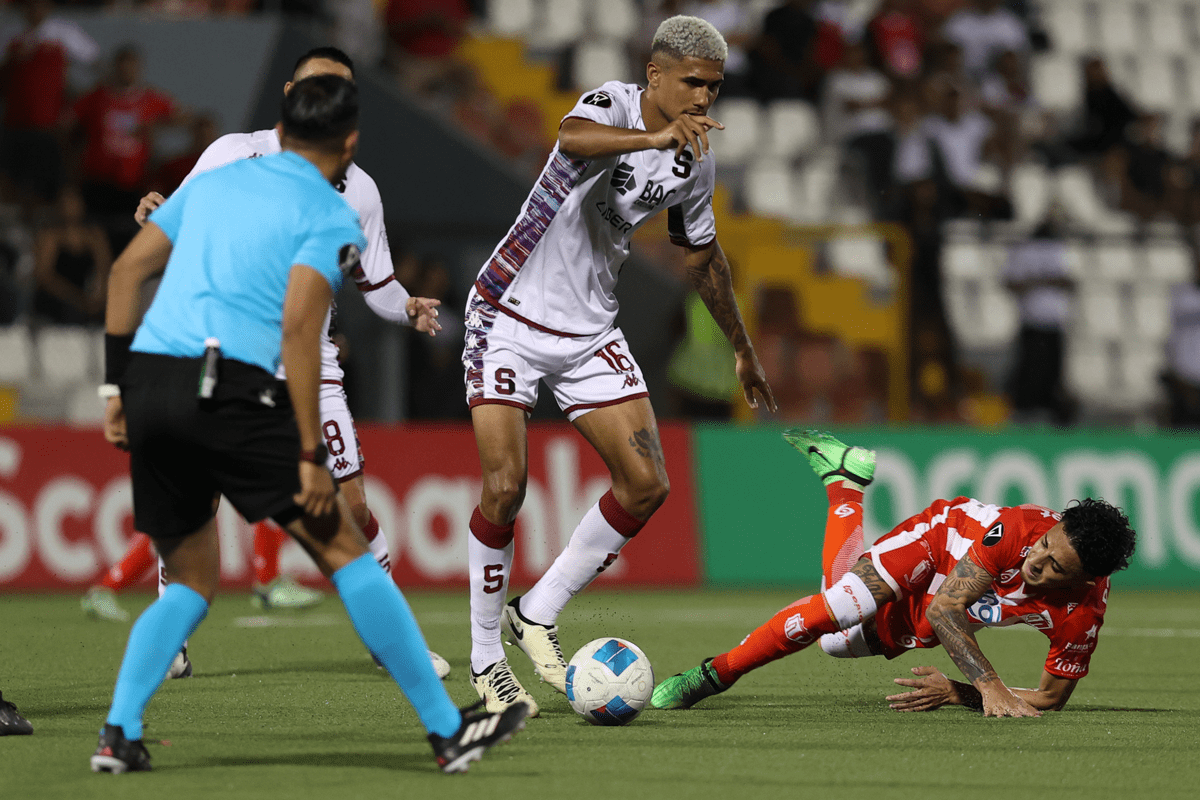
column 236, row 232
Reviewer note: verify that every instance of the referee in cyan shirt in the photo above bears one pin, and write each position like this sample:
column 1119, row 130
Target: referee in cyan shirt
column 253, row 253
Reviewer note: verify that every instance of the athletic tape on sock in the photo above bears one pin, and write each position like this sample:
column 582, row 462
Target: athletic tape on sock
column 849, row 601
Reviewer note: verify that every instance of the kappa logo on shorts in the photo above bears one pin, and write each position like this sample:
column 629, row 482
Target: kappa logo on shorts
column 341, row 464
column 598, row 99
column 993, row 536
column 348, row 258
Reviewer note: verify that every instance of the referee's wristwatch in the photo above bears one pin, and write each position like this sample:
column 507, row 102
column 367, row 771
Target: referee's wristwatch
column 318, row 455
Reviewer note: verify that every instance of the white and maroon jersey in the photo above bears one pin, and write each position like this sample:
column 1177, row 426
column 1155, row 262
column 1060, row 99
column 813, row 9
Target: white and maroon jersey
column 916, row 557
column 557, row 267
column 374, row 276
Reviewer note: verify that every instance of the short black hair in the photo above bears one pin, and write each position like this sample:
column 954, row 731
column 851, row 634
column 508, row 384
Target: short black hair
column 1101, row 536
column 320, row 110
column 329, row 53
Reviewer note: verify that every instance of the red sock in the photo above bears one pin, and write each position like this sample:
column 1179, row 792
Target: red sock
column 789, row 631
column 843, row 532
column 268, row 538
column 133, row 565
column 371, row 529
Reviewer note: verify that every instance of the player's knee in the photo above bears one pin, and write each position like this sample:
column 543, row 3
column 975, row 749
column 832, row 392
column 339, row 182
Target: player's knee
column 850, row 643
column 360, row 514
column 849, row 601
column 502, row 497
column 644, row 495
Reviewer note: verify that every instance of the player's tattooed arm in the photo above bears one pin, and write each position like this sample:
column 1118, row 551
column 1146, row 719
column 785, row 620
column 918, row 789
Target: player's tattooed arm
column 710, row 275
column 947, row 614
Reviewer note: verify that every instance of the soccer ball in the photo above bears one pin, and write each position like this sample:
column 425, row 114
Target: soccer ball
column 609, row 681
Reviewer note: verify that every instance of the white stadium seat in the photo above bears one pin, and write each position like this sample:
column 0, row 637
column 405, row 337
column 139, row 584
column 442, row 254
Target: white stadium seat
column 511, row 17
column 1118, row 22
column 1169, row 262
column 769, row 189
column 1031, row 192
column 616, row 19
column 1138, row 368
column 1068, row 25
column 1099, row 312
column 65, row 354
column 1057, row 81
column 1165, row 24
column 561, row 25
column 792, row 128
column 1114, row 261
column 815, row 184
column 982, row 315
column 861, row 257
column 1158, row 87
column 1151, row 318
column 1089, row 371
column 742, row 118
column 1077, row 192
column 16, row 354
column 972, row 261
column 84, row 407
column 599, row 62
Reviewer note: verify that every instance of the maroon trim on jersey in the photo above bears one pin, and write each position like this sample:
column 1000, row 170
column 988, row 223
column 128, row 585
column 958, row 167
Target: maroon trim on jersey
column 507, row 312
column 491, row 401
column 615, row 515
column 329, row 382
column 606, row 403
column 351, row 476
column 370, row 287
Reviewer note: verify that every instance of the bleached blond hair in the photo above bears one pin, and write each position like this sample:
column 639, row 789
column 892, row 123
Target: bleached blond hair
column 682, row 36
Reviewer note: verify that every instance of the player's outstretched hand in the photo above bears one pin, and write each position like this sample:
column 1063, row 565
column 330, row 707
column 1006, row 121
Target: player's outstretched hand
column 318, row 494
column 688, row 129
column 147, row 204
column 999, row 701
column 423, row 314
column 931, row 690
column 754, row 379
column 114, row 423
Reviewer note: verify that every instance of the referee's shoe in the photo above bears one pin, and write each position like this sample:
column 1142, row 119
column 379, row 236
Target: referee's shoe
column 116, row 754
column 478, row 732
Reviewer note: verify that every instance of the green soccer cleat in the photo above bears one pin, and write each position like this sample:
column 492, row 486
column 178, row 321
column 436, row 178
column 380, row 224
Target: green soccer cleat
column 101, row 602
column 687, row 688
column 285, row 593
column 832, row 460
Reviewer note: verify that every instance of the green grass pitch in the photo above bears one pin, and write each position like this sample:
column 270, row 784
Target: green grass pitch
column 290, row 706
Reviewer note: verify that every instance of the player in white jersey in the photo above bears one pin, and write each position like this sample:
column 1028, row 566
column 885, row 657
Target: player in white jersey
column 543, row 309
column 383, row 294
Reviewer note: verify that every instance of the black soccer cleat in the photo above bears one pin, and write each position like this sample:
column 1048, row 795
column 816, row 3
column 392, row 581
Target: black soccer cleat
column 116, row 754
column 11, row 721
column 478, row 732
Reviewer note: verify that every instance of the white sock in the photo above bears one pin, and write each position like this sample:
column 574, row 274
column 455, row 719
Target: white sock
column 593, row 546
column 162, row 584
column 378, row 544
column 489, row 568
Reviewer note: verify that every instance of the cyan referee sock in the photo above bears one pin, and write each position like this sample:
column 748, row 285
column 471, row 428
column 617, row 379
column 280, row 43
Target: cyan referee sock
column 153, row 642
column 387, row 627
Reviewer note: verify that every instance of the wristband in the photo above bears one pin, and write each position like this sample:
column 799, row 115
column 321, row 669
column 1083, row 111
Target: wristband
column 116, row 356
column 318, row 455
column 108, row 390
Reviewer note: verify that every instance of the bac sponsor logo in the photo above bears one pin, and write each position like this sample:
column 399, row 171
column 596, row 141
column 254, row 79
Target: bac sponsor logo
column 993, row 536
column 622, row 179
column 598, row 99
column 348, row 258
column 652, row 196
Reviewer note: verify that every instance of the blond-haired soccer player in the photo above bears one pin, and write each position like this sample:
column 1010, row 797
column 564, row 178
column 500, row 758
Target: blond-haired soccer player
column 543, row 309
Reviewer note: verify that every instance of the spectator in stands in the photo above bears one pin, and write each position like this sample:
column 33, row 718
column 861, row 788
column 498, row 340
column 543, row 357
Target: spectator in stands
column 962, row 139
column 1152, row 180
column 34, row 78
column 896, row 37
column 735, row 23
column 783, row 62
column 856, row 100
column 1182, row 375
column 119, row 119
column 435, row 375
column 984, row 31
column 169, row 175
column 1106, row 114
column 1189, row 203
column 71, row 263
column 1038, row 275
column 424, row 35
column 1006, row 97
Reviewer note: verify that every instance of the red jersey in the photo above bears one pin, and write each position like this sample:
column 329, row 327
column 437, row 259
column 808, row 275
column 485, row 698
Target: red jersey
column 35, row 72
column 115, row 121
column 916, row 557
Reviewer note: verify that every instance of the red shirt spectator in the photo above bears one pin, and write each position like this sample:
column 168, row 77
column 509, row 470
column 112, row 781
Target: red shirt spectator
column 427, row 28
column 35, row 68
column 116, row 122
column 896, row 36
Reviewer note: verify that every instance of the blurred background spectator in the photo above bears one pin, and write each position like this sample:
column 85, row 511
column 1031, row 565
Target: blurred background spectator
column 72, row 259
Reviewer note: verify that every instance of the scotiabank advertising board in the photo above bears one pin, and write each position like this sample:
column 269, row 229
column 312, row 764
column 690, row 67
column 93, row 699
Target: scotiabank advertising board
column 66, row 508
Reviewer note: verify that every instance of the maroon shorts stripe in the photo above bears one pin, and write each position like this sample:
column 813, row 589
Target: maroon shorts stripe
column 491, row 401
column 330, row 382
column 622, row 521
column 606, row 403
column 370, row 287
column 351, row 476
column 494, row 303
column 489, row 533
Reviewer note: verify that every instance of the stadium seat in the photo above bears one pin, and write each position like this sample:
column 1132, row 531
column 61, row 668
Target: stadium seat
column 792, row 128
column 1089, row 371
column 965, row 261
column 1068, row 25
column 511, row 17
column 616, row 19
column 741, row 137
column 982, row 315
column 599, row 62
column 1139, row 365
column 1100, row 314
column 1122, row 69
column 1077, row 192
column 815, row 185
column 1169, row 262
column 1118, row 22
column 1031, row 192
column 1158, row 85
column 769, row 189
column 1166, row 28
column 84, row 407
column 65, row 354
column 1151, row 317
column 1057, row 81
column 1114, row 261
column 1191, row 69
column 560, row 24
column 861, row 257
column 16, row 354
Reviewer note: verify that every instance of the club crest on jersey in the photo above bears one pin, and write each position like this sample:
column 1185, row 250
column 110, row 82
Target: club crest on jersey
column 993, row 536
column 598, row 99
column 622, row 179
column 348, row 258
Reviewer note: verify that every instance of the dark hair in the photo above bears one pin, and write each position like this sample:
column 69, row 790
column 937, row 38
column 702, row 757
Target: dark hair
column 320, row 110
column 1101, row 536
column 328, row 53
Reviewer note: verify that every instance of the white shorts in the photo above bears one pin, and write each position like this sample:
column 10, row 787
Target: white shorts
column 345, row 453
column 505, row 358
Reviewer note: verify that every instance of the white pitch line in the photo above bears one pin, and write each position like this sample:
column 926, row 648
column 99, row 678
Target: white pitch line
column 304, row 621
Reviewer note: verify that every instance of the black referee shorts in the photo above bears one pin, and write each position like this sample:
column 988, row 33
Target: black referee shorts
column 242, row 443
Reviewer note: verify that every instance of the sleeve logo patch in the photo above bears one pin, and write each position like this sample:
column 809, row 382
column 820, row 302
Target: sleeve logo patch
column 599, row 99
column 348, row 258
column 993, row 536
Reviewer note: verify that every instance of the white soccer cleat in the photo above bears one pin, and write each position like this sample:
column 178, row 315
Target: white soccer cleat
column 285, row 593
column 499, row 689
column 181, row 667
column 101, row 602
column 440, row 665
column 539, row 642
